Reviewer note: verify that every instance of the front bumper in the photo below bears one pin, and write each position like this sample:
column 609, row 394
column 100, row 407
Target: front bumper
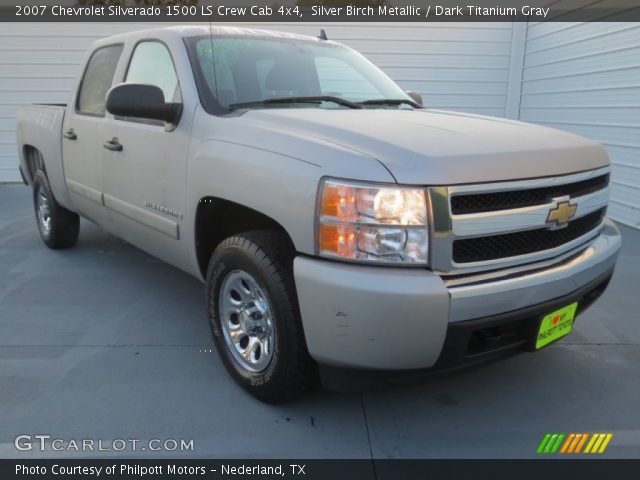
column 368, row 317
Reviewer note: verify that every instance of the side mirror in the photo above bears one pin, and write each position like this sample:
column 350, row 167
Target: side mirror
column 141, row 101
column 416, row 97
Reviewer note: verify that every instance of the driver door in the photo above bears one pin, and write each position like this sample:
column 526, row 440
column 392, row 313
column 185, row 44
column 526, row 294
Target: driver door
column 144, row 163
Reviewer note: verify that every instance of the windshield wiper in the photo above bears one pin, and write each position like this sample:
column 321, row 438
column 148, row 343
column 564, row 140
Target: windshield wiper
column 311, row 99
column 390, row 101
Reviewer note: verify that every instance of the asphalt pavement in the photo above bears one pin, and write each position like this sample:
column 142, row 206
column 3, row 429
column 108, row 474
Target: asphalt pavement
column 105, row 342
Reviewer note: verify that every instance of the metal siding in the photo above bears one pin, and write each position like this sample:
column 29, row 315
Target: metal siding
column 585, row 78
column 455, row 66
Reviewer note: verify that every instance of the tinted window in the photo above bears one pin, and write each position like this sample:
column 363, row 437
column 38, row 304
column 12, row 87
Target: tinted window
column 97, row 79
column 151, row 64
column 339, row 79
column 253, row 69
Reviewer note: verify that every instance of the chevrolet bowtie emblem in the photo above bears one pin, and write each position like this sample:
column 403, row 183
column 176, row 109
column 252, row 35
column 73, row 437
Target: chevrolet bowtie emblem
column 560, row 215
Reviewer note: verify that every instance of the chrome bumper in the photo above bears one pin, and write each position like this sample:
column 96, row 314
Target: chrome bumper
column 503, row 293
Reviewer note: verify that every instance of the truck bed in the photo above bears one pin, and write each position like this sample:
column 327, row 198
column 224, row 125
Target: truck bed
column 39, row 140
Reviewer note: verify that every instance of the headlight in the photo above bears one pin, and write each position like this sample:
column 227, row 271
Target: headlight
column 372, row 223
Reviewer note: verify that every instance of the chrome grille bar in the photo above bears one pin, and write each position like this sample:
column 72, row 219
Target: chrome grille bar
column 446, row 227
column 527, row 218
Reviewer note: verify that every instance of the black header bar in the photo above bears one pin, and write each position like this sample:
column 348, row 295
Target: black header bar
column 534, row 469
column 324, row 11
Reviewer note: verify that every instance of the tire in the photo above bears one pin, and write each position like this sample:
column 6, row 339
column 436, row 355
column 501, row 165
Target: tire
column 58, row 227
column 250, row 276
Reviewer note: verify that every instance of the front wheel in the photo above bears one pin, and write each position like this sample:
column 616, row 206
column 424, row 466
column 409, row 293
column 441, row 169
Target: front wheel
column 58, row 227
column 255, row 318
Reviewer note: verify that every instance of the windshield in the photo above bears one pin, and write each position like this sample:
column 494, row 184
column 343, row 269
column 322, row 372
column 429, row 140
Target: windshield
column 246, row 72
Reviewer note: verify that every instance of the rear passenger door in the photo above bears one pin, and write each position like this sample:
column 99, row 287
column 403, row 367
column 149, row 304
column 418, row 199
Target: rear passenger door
column 82, row 131
column 144, row 180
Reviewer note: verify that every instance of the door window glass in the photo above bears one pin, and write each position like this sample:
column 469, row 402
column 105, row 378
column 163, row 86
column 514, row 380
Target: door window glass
column 97, row 80
column 151, row 64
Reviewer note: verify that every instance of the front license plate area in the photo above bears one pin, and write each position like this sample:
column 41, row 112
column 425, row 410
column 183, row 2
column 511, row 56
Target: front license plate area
column 556, row 325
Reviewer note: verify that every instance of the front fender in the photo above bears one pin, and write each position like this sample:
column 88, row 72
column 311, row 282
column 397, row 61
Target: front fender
column 268, row 168
column 275, row 185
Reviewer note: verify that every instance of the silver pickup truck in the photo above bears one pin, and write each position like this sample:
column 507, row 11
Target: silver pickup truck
column 343, row 231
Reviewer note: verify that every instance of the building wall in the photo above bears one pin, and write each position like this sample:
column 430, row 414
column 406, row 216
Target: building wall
column 585, row 78
column 579, row 77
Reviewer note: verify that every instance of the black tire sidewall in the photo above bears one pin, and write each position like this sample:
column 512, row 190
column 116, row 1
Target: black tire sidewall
column 41, row 184
column 222, row 263
column 65, row 224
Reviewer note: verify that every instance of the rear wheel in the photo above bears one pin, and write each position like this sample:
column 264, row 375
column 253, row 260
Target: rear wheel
column 59, row 227
column 255, row 318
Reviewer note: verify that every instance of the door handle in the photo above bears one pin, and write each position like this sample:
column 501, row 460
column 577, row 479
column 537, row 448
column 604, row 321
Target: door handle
column 70, row 134
column 113, row 145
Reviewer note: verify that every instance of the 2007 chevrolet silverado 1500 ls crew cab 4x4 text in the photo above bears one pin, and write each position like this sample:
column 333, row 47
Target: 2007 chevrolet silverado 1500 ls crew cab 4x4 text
column 338, row 225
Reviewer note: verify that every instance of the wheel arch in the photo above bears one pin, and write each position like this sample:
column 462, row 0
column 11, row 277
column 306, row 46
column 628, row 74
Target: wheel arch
column 217, row 218
column 34, row 162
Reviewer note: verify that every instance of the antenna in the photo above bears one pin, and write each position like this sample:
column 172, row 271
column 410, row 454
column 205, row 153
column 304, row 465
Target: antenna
column 323, row 35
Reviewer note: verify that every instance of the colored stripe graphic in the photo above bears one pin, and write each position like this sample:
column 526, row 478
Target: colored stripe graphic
column 567, row 443
column 591, row 442
column 573, row 443
column 581, row 442
column 605, row 444
column 555, row 447
column 550, row 443
column 543, row 443
column 598, row 443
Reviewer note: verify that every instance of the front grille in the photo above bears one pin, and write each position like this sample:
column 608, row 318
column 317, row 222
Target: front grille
column 521, row 243
column 486, row 202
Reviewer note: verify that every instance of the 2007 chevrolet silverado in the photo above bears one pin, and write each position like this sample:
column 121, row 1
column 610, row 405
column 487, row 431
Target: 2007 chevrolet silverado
column 339, row 225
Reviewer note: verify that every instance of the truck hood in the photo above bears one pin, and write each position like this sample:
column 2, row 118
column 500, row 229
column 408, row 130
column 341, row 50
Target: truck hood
column 431, row 147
